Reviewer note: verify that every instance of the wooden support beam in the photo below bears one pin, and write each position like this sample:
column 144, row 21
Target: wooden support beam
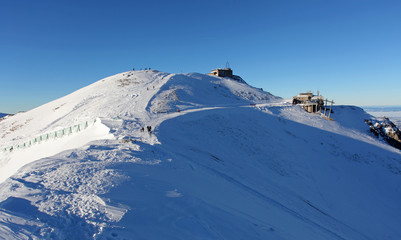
column 331, row 107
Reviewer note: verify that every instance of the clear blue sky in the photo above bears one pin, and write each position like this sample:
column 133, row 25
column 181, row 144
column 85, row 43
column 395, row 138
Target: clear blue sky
column 350, row 50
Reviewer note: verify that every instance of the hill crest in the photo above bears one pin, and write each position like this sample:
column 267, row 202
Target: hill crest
column 235, row 162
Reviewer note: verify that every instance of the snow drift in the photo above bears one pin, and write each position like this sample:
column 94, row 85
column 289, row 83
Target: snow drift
column 215, row 166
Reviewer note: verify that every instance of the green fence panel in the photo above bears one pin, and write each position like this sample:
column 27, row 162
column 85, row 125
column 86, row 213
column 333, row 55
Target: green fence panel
column 56, row 134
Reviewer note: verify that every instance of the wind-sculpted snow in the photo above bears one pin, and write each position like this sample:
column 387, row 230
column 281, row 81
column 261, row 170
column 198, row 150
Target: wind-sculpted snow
column 185, row 91
column 220, row 168
column 14, row 158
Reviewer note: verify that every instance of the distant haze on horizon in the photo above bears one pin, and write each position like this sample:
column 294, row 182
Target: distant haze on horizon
column 348, row 50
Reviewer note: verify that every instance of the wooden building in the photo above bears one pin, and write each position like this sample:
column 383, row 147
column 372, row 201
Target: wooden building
column 311, row 103
column 302, row 98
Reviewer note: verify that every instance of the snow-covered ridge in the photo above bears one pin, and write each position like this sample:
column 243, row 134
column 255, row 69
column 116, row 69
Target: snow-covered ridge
column 234, row 163
column 194, row 90
column 110, row 97
column 131, row 95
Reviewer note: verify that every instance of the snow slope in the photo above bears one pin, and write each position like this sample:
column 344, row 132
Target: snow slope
column 220, row 168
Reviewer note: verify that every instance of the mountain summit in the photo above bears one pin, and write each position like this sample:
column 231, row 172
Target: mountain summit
column 153, row 155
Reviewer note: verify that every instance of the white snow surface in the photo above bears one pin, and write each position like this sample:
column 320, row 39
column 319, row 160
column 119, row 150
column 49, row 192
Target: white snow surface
column 220, row 168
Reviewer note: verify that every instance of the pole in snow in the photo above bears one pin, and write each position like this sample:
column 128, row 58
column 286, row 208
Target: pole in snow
column 331, row 106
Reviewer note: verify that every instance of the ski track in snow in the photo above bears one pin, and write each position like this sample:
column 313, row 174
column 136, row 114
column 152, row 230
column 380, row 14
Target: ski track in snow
column 98, row 186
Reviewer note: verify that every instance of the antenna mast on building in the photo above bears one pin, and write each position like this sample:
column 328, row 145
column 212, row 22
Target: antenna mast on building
column 227, row 65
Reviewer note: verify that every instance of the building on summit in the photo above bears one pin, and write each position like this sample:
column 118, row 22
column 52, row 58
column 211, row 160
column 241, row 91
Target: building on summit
column 225, row 73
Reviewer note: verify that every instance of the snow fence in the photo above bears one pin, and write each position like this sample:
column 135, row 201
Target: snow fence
column 52, row 135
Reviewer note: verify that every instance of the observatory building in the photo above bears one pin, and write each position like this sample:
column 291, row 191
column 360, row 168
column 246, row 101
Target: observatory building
column 225, row 73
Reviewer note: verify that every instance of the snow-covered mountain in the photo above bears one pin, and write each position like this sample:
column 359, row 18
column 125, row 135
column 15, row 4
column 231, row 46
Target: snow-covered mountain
column 224, row 160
